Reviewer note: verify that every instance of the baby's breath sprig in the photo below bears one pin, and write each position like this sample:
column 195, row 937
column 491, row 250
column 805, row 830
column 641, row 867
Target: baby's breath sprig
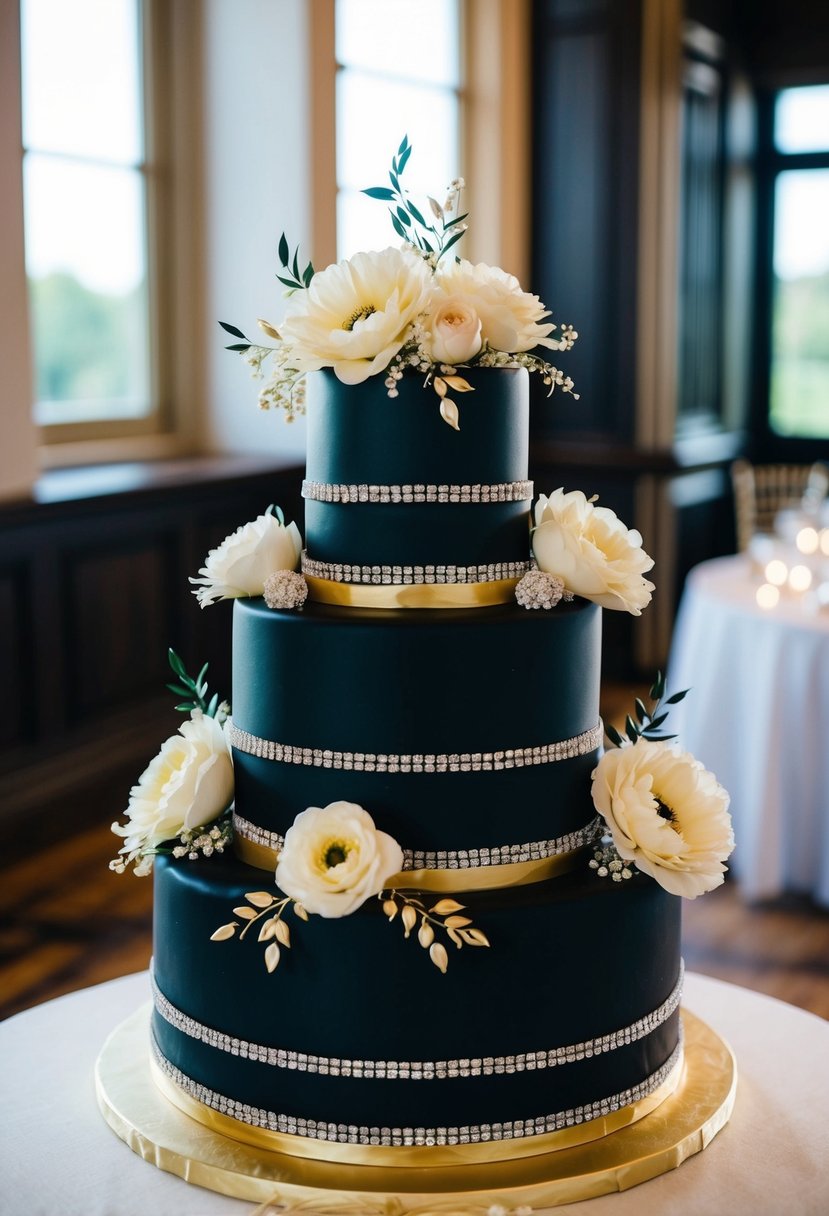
column 646, row 723
column 430, row 240
column 442, row 916
column 608, row 864
column 203, row 841
column 195, row 691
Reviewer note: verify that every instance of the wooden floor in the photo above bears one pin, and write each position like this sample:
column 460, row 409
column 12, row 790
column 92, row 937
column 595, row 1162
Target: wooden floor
column 67, row 921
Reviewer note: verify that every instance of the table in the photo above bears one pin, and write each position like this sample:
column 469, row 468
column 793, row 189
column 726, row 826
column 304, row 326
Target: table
column 58, row 1155
column 758, row 717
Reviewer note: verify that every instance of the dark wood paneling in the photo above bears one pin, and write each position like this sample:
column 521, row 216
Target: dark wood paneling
column 16, row 662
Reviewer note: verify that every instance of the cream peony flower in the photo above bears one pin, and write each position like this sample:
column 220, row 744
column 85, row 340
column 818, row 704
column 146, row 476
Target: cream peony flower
column 334, row 859
column 666, row 813
column 592, row 551
column 509, row 316
column 244, row 560
column 189, row 783
column 356, row 314
column 454, row 331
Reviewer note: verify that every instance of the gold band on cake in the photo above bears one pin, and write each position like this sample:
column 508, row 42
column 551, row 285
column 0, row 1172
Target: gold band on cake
column 423, row 595
column 414, row 1147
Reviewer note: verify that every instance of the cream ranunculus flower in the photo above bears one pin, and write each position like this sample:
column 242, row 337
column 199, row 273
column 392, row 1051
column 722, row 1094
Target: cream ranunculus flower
column 189, row 783
column 334, row 859
column 666, row 813
column 510, row 317
column 454, row 331
column 356, row 314
column 592, row 551
column 244, row 560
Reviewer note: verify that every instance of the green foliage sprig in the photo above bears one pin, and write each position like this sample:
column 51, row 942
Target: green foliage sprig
column 646, row 723
column 295, row 280
column 195, row 690
column 408, row 221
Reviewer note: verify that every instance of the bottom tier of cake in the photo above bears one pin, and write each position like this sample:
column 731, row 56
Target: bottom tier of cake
column 569, row 1018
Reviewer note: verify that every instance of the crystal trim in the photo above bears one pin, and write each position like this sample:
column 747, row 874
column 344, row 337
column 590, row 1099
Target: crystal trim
column 395, row 1137
column 427, row 762
column 419, row 1070
column 451, row 859
column 505, row 491
column 400, row 576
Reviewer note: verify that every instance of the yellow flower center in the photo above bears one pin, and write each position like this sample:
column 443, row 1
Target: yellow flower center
column 334, row 854
column 359, row 314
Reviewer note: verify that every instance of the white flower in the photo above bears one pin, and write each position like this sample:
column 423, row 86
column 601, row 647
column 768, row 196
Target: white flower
column 244, row 560
column 356, row 314
column 509, row 316
column 666, row 813
column 189, row 783
column 592, row 551
column 454, row 331
column 334, row 859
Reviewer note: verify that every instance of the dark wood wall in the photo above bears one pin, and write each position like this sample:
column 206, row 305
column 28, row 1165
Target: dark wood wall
column 93, row 590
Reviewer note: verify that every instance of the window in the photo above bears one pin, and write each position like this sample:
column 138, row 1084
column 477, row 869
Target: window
column 85, row 209
column 398, row 74
column 797, row 234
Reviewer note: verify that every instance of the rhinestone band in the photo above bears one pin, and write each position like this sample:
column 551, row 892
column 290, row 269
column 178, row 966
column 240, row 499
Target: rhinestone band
column 506, row 491
column 418, row 1070
column 398, row 576
column 451, row 859
column 370, row 762
column 400, row 1137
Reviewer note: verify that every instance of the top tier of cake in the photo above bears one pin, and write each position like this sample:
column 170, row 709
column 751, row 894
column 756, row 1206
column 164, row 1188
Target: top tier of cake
column 393, row 494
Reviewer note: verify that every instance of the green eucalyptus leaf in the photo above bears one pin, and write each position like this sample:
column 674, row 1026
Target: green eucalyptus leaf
column 175, row 662
column 308, row 274
column 178, row 690
column 641, row 712
column 231, row 329
column 398, row 227
column 239, row 347
column 202, row 673
column 403, row 217
column 210, row 710
column 677, row 697
column 284, row 252
column 660, row 738
column 185, row 707
column 289, row 283
column 393, row 179
column 404, row 158
column 295, row 266
column 404, row 145
column 614, row 736
column 381, row 192
column 453, row 240
column 413, row 211
column 630, row 729
column 456, row 219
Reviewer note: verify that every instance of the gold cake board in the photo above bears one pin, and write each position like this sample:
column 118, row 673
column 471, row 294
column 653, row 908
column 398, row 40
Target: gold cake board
column 684, row 1124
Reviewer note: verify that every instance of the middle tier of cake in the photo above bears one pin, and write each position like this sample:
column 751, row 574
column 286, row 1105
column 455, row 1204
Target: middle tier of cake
column 469, row 736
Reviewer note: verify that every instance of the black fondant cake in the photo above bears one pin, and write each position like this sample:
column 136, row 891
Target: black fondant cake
column 469, row 734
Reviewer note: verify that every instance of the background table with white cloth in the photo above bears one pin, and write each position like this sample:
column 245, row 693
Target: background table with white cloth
column 57, row 1155
column 758, row 717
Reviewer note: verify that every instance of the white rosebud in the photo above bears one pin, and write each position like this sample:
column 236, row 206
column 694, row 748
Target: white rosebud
column 454, row 331
column 334, row 858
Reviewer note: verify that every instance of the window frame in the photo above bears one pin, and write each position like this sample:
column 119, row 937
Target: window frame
column 158, row 432
column 770, row 163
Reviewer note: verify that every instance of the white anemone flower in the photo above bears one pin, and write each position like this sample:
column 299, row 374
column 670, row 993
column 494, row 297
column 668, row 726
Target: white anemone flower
column 334, row 859
column 510, row 317
column 356, row 314
column 594, row 554
column 243, row 561
column 666, row 813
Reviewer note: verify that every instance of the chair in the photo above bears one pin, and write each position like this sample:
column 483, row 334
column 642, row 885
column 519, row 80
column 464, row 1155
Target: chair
column 760, row 491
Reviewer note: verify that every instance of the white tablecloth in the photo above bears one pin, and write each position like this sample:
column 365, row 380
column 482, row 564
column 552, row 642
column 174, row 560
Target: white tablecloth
column 59, row 1158
column 758, row 717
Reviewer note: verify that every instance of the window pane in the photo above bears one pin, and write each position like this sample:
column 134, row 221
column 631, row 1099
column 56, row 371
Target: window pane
column 81, row 87
column 414, row 39
column 801, row 119
column 86, row 262
column 800, row 324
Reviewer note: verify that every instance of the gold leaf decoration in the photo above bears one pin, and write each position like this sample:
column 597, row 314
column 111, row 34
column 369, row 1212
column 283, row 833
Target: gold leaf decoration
column 425, row 935
column 223, row 932
column 440, row 386
column 244, row 913
column 268, row 930
column 409, row 918
column 457, row 922
column 390, row 908
column 449, row 413
column 474, row 937
column 445, row 906
column 283, row 933
column 459, row 384
column 268, row 329
column 300, row 912
column 438, row 955
column 260, row 899
column 272, row 957
column 455, row 937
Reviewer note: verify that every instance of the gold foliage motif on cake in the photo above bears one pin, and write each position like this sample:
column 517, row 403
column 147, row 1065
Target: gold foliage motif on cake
column 267, row 911
column 443, row 916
